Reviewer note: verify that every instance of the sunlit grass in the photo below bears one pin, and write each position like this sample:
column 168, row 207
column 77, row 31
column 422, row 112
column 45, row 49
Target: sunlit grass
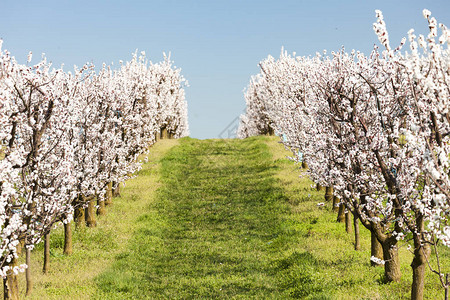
column 211, row 234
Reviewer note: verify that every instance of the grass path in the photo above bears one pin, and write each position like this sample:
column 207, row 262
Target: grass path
column 211, row 233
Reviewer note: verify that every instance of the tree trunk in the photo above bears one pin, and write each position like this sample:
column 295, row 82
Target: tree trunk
column 341, row 213
column 357, row 239
column 11, row 283
column 319, row 187
column 421, row 253
column 164, row 134
column 418, row 266
column 328, row 193
column 348, row 222
column 79, row 217
column 90, row 213
column 375, row 250
column 157, row 136
column 109, row 194
column 116, row 190
column 447, row 282
column 335, row 204
column 68, row 238
column 304, row 165
column 46, row 253
column 28, row 272
column 101, row 208
column 391, row 261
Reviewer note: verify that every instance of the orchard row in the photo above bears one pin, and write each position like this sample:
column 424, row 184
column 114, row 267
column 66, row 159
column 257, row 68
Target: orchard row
column 376, row 130
column 69, row 137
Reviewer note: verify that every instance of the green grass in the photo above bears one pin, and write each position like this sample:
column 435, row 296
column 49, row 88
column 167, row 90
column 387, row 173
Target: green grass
column 220, row 219
column 213, row 231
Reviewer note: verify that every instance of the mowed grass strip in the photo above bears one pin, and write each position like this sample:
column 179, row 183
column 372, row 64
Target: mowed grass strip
column 211, row 233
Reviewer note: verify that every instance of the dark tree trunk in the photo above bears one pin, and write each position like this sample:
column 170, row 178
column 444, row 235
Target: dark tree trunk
column 341, row 213
column 46, row 266
column 421, row 253
column 67, row 238
column 357, row 239
column 28, row 277
column 335, row 204
column 11, row 283
column 90, row 213
column 391, row 262
column 304, row 165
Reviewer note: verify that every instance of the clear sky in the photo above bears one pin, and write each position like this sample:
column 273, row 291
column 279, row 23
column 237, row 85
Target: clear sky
column 216, row 43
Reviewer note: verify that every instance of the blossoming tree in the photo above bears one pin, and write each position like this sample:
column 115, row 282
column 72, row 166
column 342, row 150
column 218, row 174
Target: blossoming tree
column 66, row 136
column 376, row 129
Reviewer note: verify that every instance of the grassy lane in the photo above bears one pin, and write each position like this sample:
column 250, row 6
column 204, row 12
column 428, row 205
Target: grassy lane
column 213, row 230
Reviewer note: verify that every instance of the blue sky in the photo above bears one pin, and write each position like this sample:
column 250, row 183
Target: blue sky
column 218, row 44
